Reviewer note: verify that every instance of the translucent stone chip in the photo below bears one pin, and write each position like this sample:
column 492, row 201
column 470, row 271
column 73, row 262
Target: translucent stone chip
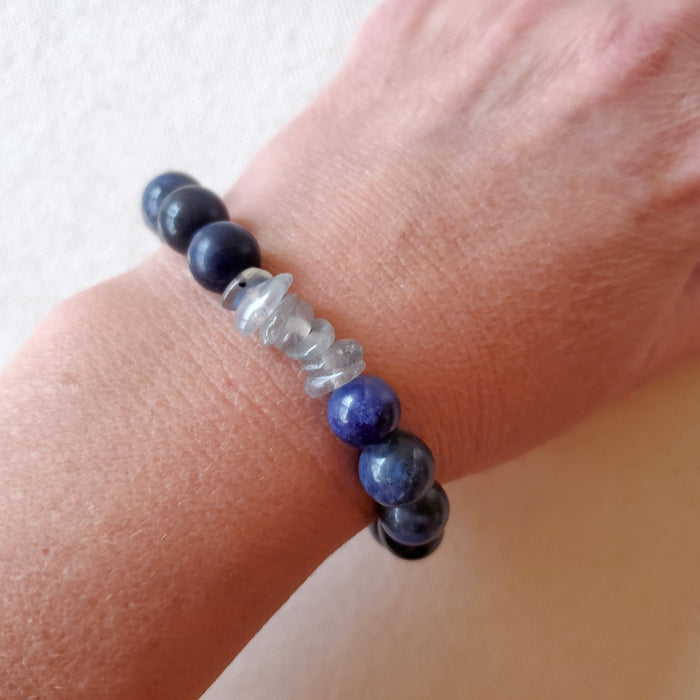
column 320, row 385
column 262, row 304
column 233, row 294
column 260, row 301
column 273, row 328
column 342, row 353
column 297, row 327
column 321, row 336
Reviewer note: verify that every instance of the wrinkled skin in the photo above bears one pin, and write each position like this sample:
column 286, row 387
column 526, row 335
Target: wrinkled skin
column 500, row 200
column 517, row 187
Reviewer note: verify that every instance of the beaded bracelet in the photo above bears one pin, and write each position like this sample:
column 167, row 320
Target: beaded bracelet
column 396, row 468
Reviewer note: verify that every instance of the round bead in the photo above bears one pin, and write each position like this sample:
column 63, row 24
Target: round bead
column 220, row 251
column 398, row 470
column 157, row 190
column 420, row 522
column 363, row 411
column 186, row 210
column 406, row 551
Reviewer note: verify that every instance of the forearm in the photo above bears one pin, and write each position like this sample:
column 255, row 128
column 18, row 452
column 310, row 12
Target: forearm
column 146, row 539
column 166, row 483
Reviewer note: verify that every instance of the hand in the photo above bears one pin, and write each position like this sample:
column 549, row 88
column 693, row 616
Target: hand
column 509, row 199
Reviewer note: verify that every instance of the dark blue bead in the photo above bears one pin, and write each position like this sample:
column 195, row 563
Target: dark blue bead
column 184, row 211
column 406, row 551
column 398, row 470
column 157, row 190
column 363, row 411
column 420, row 522
column 220, row 251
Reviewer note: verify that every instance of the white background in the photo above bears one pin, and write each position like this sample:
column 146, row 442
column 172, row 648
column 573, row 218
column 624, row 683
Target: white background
column 573, row 572
column 97, row 97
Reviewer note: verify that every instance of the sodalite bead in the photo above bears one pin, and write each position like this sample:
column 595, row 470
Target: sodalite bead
column 398, row 470
column 420, row 522
column 363, row 411
column 185, row 211
column 233, row 294
column 320, row 337
column 317, row 386
column 219, row 251
column 342, row 353
column 405, row 551
column 157, row 190
column 260, row 301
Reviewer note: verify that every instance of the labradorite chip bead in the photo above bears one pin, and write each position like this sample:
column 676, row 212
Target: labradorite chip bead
column 260, row 302
column 317, row 385
column 397, row 470
column 157, row 190
column 288, row 324
column 233, row 294
column 342, row 353
column 297, row 327
column 273, row 328
column 320, row 338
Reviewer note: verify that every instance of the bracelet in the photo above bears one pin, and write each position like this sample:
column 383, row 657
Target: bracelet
column 396, row 468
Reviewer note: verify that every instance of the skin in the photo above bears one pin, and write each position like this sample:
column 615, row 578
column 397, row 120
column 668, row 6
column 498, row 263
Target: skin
column 498, row 199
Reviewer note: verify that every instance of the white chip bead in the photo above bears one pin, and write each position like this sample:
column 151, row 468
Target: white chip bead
column 297, row 327
column 260, row 301
column 321, row 336
column 273, row 328
column 317, row 386
column 342, row 353
column 240, row 284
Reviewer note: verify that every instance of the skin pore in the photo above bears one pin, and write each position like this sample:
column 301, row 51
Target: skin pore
column 500, row 203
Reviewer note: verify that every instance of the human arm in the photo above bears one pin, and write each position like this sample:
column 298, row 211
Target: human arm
column 449, row 233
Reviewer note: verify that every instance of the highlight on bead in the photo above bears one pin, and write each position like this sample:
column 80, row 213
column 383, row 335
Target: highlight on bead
column 157, row 190
column 185, row 211
column 363, row 411
column 396, row 468
column 219, row 251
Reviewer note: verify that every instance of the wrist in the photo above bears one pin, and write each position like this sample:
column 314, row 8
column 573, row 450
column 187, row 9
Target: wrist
column 201, row 477
column 386, row 286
